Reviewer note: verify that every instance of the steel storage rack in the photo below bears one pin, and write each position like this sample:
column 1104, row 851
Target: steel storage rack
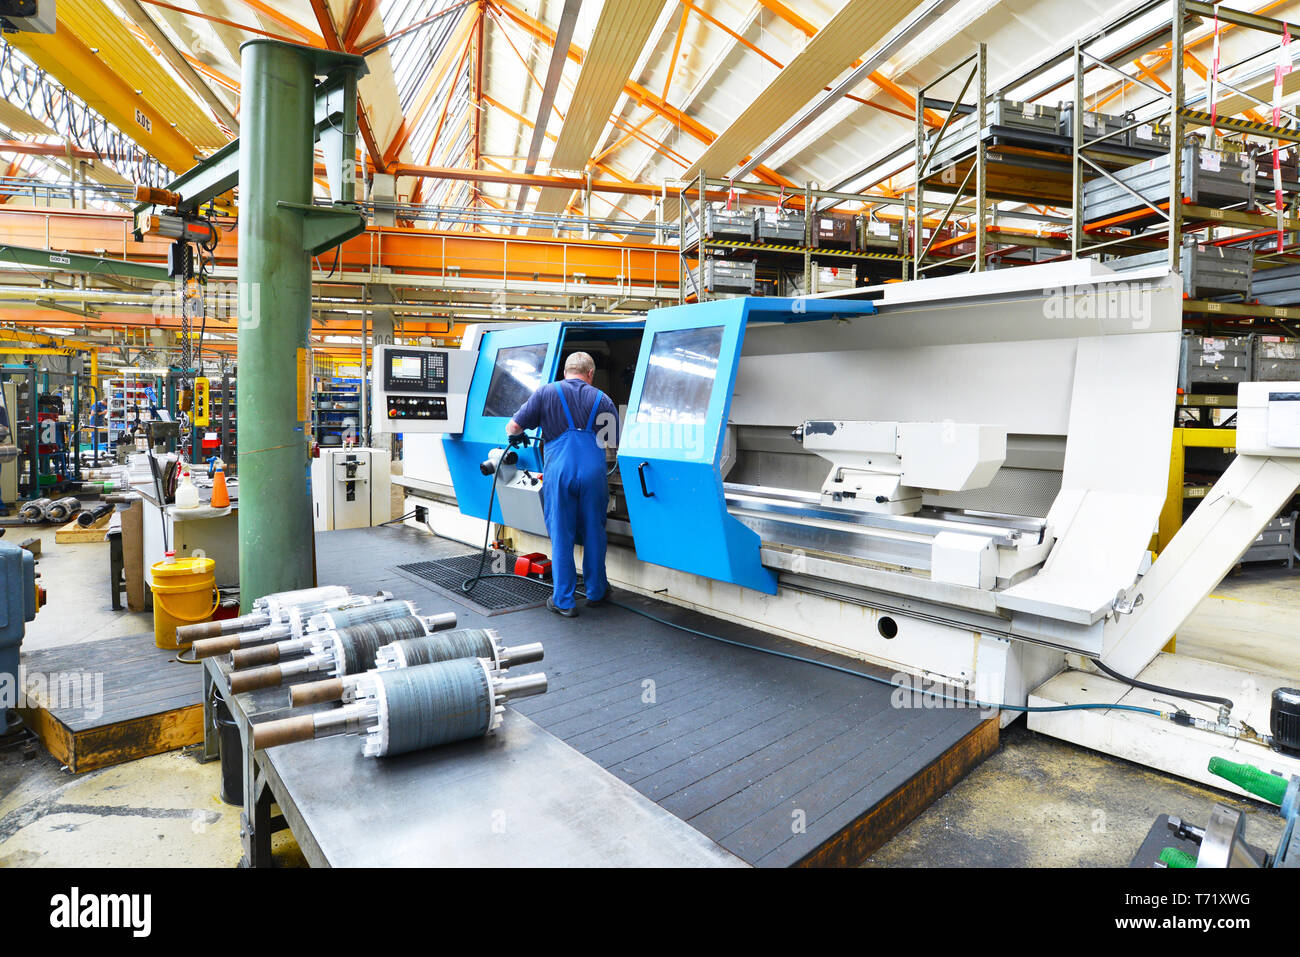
column 792, row 235
column 129, row 396
column 337, row 411
column 1138, row 171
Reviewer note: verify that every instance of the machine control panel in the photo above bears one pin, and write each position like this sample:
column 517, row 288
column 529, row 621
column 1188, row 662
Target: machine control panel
column 421, row 389
column 415, row 370
column 417, row 407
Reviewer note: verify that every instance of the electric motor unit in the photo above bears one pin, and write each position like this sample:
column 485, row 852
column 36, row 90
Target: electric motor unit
column 1284, row 720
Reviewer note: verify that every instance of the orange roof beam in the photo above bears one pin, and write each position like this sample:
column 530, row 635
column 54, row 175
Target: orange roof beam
column 357, row 18
column 275, row 16
column 636, row 91
column 334, row 42
column 476, row 136
column 234, row 25
column 677, row 47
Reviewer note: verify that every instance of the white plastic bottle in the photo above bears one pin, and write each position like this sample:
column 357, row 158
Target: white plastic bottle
column 187, row 495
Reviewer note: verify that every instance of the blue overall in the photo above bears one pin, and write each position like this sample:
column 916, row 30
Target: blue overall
column 574, row 499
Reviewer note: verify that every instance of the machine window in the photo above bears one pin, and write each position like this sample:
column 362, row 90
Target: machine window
column 679, row 377
column 516, row 375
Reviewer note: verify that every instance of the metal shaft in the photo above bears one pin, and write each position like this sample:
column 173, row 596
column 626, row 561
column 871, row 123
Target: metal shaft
column 524, row 686
column 442, row 621
column 223, row 626
column 521, row 655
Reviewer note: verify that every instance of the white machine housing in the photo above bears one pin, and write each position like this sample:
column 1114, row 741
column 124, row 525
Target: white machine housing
column 519, row 492
column 887, row 466
column 350, row 488
column 421, row 389
column 1268, row 418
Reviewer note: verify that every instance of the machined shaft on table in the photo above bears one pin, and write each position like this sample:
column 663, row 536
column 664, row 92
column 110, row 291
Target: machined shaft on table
column 524, row 686
column 224, row 626
column 269, row 654
column 358, row 718
column 343, row 687
column 284, row 620
column 220, row 641
column 268, row 676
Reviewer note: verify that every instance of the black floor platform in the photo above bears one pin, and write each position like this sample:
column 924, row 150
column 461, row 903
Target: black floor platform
column 778, row 761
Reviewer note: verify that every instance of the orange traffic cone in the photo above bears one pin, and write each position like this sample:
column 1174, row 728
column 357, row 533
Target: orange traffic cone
column 220, row 494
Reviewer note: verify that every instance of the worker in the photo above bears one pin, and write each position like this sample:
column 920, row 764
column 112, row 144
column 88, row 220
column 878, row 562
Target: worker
column 578, row 422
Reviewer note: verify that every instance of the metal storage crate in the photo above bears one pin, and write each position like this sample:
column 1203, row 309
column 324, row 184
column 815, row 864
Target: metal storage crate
column 879, row 234
column 720, row 223
column 1096, row 125
column 787, row 227
column 834, row 230
column 1010, row 116
column 1210, row 178
column 958, row 140
column 727, row 276
column 1288, row 166
column 1279, row 286
column 1213, row 360
column 1207, row 270
column 1276, row 543
column 1274, row 359
column 824, row 279
column 1013, row 114
column 1151, row 138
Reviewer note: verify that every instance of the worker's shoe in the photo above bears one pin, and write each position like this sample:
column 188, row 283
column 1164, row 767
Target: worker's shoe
column 600, row 602
column 563, row 612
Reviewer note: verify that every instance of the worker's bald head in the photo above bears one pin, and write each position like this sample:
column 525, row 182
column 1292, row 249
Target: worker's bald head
column 580, row 365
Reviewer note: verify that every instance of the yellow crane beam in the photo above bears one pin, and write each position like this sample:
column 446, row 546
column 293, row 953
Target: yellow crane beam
column 72, row 63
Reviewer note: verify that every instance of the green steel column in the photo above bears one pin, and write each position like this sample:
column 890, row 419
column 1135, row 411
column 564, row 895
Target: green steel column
column 275, row 165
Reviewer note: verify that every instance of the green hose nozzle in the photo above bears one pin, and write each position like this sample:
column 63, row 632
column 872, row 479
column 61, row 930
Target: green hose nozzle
column 1270, row 787
column 1173, row 857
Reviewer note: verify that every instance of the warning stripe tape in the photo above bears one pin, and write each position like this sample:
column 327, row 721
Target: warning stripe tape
column 1242, row 126
column 779, row 247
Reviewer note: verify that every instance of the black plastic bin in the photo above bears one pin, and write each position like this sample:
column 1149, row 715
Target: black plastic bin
column 232, row 754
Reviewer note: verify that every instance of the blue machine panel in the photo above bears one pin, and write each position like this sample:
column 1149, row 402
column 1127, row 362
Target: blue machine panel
column 671, row 440
column 671, row 446
column 512, row 364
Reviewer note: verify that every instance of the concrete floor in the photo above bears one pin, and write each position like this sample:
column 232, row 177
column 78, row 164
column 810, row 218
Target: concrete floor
column 1036, row 802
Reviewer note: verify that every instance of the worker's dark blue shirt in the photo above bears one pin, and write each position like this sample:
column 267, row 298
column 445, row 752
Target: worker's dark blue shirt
column 543, row 408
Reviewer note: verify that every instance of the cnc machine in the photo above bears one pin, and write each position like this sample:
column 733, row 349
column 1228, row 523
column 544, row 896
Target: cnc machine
column 956, row 478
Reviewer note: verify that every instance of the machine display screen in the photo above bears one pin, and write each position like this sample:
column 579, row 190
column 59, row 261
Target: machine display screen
column 407, row 367
column 516, row 375
column 679, row 377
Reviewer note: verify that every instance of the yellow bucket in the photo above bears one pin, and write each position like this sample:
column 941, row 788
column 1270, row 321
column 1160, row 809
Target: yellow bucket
column 184, row 592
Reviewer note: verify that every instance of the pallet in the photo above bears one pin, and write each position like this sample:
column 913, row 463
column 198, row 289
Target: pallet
column 150, row 702
column 72, row 532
